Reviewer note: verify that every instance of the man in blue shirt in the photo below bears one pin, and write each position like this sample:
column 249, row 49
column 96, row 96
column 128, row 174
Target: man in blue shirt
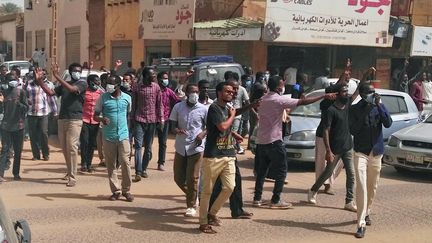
column 112, row 110
column 367, row 118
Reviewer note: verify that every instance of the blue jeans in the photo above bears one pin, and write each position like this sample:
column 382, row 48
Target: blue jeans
column 144, row 133
column 162, row 140
column 271, row 159
column 347, row 159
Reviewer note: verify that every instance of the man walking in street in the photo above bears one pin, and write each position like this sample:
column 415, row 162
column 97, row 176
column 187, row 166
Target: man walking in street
column 112, row 110
column 14, row 106
column 189, row 118
column 219, row 157
column 147, row 113
column 70, row 116
column 270, row 149
column 416, row 93
column 367, row 119
column 40, row 106
column 169, row 99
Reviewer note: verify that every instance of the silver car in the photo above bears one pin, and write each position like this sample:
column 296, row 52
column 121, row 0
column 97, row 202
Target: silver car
column 300, row 144
column 411, row 148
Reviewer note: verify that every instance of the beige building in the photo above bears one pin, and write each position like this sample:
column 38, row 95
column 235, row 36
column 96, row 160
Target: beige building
column 8, row 37
column 72, row 30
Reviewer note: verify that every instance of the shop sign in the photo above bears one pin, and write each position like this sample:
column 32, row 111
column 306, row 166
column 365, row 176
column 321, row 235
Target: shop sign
column 422, row 41
column 166, row 19
column 335, row 22
column 233, row 34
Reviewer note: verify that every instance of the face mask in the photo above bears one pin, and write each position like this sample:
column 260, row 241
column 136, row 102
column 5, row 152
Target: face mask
column 76, row 76
column 93, row 86
column 267, row 76
column 111, row 88
column 165, row 82
column 370, row 98
column 283, row 91
column 193, row 98
column 126, row 85
column 248, row 83
column 13, row 83
column 4, row 86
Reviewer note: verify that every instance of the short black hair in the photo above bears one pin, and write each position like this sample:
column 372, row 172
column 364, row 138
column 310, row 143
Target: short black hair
column 161, row 74
column 74, row 65
column 189, row 86
column 338, row 87
column 117, row 78
column 274, row 82
column 220, row 86
column 228, row 75
column 146, row 72
column 92, row 78
column 244, row 77
column 9, row 77
column 364, row 88
column 202, row 82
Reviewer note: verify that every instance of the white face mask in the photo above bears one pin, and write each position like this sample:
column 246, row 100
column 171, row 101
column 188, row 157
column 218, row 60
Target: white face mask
column 267, row 76
column 13, row 83
column 4, row 86
column 110, row 88
column 283, row 91
column 193, row 98
column 165, row 82
column 126, row 85
column 76, row 76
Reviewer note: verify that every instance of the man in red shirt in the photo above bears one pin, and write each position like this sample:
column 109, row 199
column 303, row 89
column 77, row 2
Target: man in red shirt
column 416, row 93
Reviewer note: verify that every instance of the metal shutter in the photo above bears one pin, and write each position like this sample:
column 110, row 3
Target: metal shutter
column 73, row 47
column 28, row 40
column 208, row 48
column 122, row 51
column 40, row 39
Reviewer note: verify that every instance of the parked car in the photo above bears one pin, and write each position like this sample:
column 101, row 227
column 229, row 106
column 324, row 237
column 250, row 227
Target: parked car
column 66, row 76
column 300, row 144
column 24, row 66
column 211, row 68
column 411, row 148
column 12, row 232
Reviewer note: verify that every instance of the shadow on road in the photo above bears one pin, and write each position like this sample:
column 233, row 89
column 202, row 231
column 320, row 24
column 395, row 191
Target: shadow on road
column 52, row 196
column 149, row 219
column 309, row 226
column 389, row 172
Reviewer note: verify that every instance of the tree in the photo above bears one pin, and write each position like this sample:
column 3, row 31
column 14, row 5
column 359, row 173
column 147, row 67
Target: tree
column 8, row 8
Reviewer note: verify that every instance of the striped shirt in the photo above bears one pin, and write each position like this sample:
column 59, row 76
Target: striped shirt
column 169, row 99
column 40, row 104
column 147, row 103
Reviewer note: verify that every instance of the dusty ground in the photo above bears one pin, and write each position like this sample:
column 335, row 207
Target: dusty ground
column 402, row 210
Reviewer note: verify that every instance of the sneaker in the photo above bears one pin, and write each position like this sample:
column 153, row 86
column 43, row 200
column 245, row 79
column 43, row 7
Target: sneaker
column 190, row 212
column 145, row 175
column 137, row 178
column 161, row 167
column 71, row 183
column 329, row 190
column 115, row 196
column 368, row 220
column 351, row 206
column 129, row 197
column 46, row 158
column 83, row 170
column 257, row 203
column 281, row 205
column 17, row 178
column 360, row 232
column 2, row 179
column 312, row 197
column 241, row 151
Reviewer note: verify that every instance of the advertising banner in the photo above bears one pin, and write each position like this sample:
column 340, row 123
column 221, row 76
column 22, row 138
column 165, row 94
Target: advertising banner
column 421, row 45
column 335, row 22
column 243, row 34
column 166, row 19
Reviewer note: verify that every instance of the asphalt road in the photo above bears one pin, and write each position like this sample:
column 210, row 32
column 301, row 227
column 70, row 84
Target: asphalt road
column 402, row 211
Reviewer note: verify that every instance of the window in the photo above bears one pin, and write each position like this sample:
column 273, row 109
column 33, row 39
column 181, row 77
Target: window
column 395, row 104
column 28, row 44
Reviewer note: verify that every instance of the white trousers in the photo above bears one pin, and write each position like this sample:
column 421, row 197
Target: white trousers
column 367, row 170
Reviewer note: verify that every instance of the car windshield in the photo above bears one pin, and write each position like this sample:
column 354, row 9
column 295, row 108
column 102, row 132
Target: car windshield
column 311, row 110
column 428, row 120
column 216, row 74
column 22, row 65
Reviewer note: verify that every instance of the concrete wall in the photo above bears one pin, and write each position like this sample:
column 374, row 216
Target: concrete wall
column 96, row 15
column 422, row 13
column 8, row 33
column 70, row 13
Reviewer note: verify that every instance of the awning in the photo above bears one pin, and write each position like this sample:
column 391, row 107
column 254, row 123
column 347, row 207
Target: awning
column 241, row 28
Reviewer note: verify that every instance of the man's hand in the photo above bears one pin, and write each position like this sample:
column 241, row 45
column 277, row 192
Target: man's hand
column 118, row 63
column 329, row 156
column 39, row 75
column 199, row 139
column 237, row 137
column 330, row 96
column 105, row 121
column 377, row 99
column 55, row 69
column 181, row 131
column 232, row 111
column 1, row 98
column 160, row 125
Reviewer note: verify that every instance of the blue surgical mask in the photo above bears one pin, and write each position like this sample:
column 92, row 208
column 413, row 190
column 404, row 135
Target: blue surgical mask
column 248, row 83
column 13, row 83
column 4, row 86
column 370, row 98
column 76, row 76
column 111, row 88
column 165, row 82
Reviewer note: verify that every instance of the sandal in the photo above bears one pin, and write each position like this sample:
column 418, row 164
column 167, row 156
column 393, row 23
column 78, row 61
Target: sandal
column 205, row 228
column 214, row 220
column 243, row 215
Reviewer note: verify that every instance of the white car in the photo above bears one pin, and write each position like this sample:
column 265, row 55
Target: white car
column 300, row 144
column 84, row 74
column 24, row 66
column 411, row 148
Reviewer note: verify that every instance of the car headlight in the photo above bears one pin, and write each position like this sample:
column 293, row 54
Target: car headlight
column 303, row 136
column 393, row 141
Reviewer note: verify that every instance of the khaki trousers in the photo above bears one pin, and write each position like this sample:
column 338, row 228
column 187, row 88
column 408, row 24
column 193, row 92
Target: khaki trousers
column 186, row 174
column 118, row 151
column 321, row 163
column 99, row 145
column 367, row 169
column 212, row 168
column 69, row 133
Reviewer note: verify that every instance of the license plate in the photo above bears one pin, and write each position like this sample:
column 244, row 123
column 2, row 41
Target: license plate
column 414, row 158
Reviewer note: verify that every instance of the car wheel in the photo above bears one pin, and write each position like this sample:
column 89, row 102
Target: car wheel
column 401, row 170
